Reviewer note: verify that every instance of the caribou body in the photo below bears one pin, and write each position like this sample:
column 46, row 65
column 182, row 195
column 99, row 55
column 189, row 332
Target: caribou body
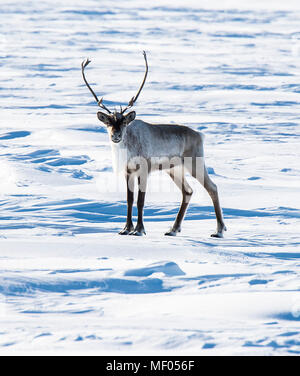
column 148, row 147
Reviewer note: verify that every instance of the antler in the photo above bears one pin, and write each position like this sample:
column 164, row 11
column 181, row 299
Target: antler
column 134, row 99
column 84, row 64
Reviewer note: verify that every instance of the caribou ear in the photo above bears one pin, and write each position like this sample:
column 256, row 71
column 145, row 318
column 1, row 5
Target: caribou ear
column 129, row 117
column 103, row 117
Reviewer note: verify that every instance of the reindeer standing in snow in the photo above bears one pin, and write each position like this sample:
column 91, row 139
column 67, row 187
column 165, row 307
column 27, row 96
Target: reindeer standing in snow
column 149, row 147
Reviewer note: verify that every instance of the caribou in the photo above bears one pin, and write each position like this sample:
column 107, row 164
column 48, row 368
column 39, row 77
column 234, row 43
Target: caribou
column 176, row 149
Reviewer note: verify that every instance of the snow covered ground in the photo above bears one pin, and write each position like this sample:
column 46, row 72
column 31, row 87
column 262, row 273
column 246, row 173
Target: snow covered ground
column 68, row 283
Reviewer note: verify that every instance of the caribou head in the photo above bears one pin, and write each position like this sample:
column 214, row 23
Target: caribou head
column 115, row 121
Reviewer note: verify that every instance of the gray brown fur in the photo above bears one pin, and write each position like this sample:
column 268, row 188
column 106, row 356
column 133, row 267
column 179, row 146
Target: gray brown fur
column 150, row 147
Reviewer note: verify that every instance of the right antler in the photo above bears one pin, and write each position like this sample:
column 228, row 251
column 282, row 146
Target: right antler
column 84, row 64
column 134, row 99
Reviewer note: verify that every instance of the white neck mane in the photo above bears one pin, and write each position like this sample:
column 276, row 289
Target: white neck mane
column 119, row 157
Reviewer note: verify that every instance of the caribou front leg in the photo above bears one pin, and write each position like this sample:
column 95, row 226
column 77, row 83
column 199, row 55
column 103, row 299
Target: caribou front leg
column 139, row 229
column 130, row 197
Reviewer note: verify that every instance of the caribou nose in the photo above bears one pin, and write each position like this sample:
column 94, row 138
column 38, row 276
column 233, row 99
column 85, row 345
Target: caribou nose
column 116, row 138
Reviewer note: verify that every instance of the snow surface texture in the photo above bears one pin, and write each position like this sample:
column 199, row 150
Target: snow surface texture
column 68, row 282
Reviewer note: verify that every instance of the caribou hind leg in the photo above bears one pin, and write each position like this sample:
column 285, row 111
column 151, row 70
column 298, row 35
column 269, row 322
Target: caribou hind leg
column 199, row 172
column 177, row 175
column 212, row 190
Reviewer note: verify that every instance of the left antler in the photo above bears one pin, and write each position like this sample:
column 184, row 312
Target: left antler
column 84, row 64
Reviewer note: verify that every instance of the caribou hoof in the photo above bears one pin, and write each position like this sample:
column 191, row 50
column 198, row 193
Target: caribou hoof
column 172, row 232
column 137, row 233
column 217, row 235
column 126, row 231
